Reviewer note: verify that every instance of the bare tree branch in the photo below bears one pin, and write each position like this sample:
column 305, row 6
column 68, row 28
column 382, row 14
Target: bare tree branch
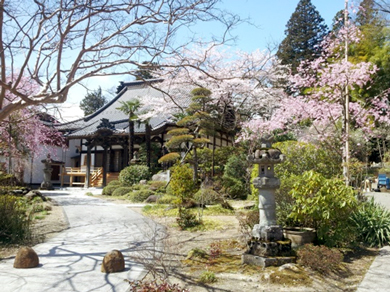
column 57, row 44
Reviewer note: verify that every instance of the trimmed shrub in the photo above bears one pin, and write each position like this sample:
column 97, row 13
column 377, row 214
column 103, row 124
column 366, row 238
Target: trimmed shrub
column 134, row 174
column 140, row 195
column 114, row 183
column 121, row 191
column 207, row 196
column 234, row 178
column 108, row 190
column 181, row 185
column 319, row 258
column 372, row 222
column 186, row 219
column 14, row 223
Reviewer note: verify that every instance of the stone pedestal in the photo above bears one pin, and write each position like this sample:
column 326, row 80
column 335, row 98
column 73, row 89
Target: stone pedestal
column 268, row 246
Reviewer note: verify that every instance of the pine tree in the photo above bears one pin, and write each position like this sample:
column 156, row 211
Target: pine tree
column 305, row 31
column 93, row 101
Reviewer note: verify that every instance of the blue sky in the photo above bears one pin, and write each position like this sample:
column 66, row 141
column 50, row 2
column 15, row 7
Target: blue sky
column 269, row 18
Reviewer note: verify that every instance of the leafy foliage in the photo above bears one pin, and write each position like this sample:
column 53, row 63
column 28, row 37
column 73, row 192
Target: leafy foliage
column 372, row 223
column 181, row 185
column 121, row 191
column 109, row 189
column 234, row 179
column 324, row 204
column 133, row 174
column 14, row 223
column 207, row 196
column 187, row 219
column 319, row 258
column 140, row 195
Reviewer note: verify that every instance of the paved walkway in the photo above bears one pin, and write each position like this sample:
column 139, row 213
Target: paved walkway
column 71, row 261
column 377, row 278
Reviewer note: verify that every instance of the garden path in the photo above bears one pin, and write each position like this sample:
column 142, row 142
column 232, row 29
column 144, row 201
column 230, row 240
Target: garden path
column 71, row 261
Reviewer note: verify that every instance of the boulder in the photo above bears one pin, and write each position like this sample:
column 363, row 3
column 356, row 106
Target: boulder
column 33, row 194
column 26, row 258
column 161, row 176
column 113, row 262
column 152, row 199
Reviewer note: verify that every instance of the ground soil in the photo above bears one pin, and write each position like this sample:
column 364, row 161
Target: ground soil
column 234, row 277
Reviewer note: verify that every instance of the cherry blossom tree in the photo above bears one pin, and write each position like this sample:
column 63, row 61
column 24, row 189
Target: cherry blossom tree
column 24, row 134
column 241, row 84
column 58, row 44
column 319, row 98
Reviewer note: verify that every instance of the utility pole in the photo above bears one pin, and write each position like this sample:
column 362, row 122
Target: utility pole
column 346, row 113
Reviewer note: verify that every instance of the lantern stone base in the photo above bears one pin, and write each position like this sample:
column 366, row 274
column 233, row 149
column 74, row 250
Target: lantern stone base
column 266, row 253
column 264, row 262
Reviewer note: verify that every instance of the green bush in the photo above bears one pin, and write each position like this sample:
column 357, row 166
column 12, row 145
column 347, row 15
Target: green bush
column 326, row 205
column 235, row 177
column 139, row 187
column 114, row 183
column 121, row 191
column 319, row 258
column 181, row 185
column 301, row 157
column 7, row 179
column 207, row 196
column 134, row 174
column 186, row 219
column 14, row 223
column 372, row 222
column 140, row 195
column 108, row 190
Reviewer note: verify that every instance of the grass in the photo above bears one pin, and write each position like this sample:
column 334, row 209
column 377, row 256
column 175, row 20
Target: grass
column 162, row 210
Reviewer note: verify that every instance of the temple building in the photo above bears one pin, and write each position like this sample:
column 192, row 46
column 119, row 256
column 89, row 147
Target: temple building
column 98, row 144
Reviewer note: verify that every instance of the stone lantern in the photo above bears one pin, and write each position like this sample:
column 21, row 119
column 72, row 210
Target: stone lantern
column 267, row 247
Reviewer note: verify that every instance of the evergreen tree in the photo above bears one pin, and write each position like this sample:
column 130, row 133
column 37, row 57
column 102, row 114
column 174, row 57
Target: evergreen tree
column 305, row 31
column 373, row 46
column 93, row 101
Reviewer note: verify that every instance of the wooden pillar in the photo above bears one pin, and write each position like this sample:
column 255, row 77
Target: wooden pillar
column 88, row 167
column 125, row 161
column 105, row 149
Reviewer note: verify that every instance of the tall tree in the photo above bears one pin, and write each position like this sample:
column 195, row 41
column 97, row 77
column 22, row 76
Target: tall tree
column 93, row 101
column 305, row 31
column 130, row 108
column 58, row 44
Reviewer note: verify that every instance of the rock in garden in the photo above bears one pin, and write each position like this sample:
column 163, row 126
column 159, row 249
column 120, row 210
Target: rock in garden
column 26, row 258
column 113, row 262
column 33, row 194
column 152, row 199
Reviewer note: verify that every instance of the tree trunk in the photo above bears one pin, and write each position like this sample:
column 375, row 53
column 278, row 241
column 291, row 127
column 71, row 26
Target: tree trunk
column 131, row 140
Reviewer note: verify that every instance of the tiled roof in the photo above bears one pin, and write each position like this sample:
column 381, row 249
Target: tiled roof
column 88, row 125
